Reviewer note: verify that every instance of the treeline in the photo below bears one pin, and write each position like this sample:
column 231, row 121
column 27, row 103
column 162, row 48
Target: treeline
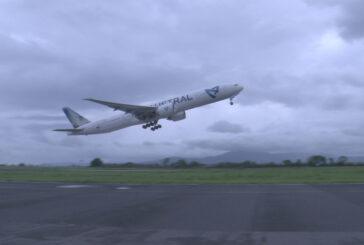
column 313, row 161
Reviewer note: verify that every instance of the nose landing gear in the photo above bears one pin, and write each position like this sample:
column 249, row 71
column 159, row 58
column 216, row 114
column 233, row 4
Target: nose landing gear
column 231, row 101
column 154, row 124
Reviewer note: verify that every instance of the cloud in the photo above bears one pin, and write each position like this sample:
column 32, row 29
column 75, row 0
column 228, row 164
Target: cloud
column 352, row 20
column 302, row 75
column 350, row 16
column 226, row 127
column 39, row 117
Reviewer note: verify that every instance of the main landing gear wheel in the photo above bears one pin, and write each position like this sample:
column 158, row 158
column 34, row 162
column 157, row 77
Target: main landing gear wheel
column 156, row 127
column 154, row 124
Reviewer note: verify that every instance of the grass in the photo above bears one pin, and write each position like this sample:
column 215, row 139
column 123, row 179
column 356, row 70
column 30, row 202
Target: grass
column 307, row 175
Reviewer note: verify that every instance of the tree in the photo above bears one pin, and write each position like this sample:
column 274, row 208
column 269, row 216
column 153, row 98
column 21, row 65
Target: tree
column 245, row 164
column 287, row 162
column 298, row 162
column 180, row 164
column 195, row 164
column 316, row 160
column 166, row 162
column 96, row 163
column 342, row 160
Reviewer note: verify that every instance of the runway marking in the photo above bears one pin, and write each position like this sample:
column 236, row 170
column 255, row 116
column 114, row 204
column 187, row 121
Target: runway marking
column 122, row 188
column 73, row 186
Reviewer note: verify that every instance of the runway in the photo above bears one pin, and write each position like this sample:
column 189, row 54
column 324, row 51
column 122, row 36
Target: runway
column 58, row 213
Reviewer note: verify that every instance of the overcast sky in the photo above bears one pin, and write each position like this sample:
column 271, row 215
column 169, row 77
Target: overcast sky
column 301, row 63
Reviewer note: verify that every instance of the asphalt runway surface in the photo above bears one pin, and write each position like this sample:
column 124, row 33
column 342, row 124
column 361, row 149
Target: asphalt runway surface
column 53, row 213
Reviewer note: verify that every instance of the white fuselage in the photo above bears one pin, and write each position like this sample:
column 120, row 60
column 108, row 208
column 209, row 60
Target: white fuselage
column 166, row 109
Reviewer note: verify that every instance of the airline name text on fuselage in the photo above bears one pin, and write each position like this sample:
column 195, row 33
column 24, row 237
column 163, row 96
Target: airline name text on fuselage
column 176, row 100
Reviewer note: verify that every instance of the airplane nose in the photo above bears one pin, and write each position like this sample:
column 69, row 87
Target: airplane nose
column 239, row 87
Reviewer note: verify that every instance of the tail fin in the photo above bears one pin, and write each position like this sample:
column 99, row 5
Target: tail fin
column 75, row 118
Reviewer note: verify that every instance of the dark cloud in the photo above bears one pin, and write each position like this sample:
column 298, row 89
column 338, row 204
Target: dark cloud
column 353, row 132
column 253, row 144
column 226, row 127
column 350, row 19
column 39, row 118
column 218, row 145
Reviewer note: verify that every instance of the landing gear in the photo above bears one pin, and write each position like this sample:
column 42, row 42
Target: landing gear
column 231, row 101
column 154, row 124
column 156, row 127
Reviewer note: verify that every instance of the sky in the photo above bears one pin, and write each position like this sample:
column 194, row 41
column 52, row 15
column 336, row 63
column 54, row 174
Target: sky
column 300, row 62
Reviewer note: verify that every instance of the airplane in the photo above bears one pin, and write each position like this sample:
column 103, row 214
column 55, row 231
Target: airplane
column 172, row 109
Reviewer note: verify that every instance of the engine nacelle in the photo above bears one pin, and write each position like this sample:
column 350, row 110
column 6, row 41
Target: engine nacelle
column 165, row 110
column 178, row 116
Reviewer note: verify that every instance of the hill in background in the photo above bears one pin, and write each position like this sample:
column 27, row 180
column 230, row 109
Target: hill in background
column 258, row 157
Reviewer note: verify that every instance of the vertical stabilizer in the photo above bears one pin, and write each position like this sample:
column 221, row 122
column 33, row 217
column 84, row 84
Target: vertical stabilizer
column 75, row 118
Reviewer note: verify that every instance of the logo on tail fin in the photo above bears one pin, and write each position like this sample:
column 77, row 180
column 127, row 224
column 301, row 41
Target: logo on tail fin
column 212, row 92
column 76, row 119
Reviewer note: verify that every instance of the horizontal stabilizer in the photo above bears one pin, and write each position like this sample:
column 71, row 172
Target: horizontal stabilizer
column 71, row 130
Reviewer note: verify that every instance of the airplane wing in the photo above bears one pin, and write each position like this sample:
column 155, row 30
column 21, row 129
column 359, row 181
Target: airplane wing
column 71, row 130
column 137, row 110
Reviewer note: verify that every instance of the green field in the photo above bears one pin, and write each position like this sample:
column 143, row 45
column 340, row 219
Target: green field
column 185, row 176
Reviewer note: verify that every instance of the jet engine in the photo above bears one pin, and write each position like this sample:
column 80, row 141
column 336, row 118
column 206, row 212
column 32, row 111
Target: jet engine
column 178, row 116
column 165, row 110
